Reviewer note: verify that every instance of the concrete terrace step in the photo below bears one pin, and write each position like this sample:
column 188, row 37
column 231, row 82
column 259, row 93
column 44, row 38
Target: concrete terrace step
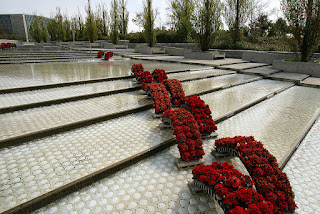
column 44, row 61
column 193, row 75
column 199, row 87
column 311, row 81
column 304, row 163
column 293, row 77
column 242, row 66
column 26, row 86
column 155, row 184
column 214, row 63
column 29, row 99
column 20, row 126
column 43, row 58
column 52, row 162
column 264, row 71
column 26, row 75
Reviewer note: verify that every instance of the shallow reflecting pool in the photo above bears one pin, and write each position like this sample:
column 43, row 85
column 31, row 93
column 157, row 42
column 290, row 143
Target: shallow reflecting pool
column 21, row 75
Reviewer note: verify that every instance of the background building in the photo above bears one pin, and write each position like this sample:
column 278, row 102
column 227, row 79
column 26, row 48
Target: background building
column 17, row 25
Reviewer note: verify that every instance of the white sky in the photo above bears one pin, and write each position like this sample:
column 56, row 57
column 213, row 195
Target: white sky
column 70, row 7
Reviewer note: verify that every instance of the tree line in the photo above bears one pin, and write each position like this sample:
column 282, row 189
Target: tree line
column 193, row 21
column 98, row 24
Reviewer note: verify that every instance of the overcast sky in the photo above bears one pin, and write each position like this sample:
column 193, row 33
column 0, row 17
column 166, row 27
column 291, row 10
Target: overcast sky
column 70, row 7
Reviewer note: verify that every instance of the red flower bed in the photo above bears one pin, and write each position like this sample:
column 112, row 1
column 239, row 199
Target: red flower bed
column 108, row 55
column 136, row 67
column 7, row 45
column 201, row 113
column 186, row 130
column 160, row 96
column 232, row 189
column 100, row 54
column 159, row 75
column 175, row 89
column 269, row 180
column 145, row 78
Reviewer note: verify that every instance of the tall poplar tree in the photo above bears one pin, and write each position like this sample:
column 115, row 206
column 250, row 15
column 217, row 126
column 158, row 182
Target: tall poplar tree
column 91, row 28
column 148, row 25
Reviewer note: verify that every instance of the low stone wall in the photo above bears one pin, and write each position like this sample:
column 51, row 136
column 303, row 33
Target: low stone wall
column 108, row 45
column 237, row 54
column 312, row 69
column 269, row 57
column 177, row 51
column 266, row 57
column 204, row 55
column 192, row 46
column 144, row 49
column 199, row 55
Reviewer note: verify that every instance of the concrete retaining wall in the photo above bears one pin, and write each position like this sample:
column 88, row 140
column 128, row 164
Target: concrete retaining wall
column 312, row 69
column 144, row 49
column 177, row 51
column 199, row 55
column 204, row 55
column 237, row 54
column 192, row 46
column 266, row 57
column 269, row 57
column 108, row 45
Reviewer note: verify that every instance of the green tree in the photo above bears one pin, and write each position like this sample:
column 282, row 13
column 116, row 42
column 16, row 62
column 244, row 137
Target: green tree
column 148, row 24
column 67, row 29
column 44, row 31
column 61, row 31
column 79, row 27
column 182, row 14
column 263, row 24
column 90, row 26
column 35, row 29
column 124, row 17
column 236, row 14
column 114, row 22
column 207, row 22
column 303, row 17
column 280, row 28
column 102, row 21
column 52, row 27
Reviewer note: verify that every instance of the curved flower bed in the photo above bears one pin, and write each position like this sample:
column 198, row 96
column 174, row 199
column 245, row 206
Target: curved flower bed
column 232, row 189
column 201, row 113
column 145, row 78
column 269, row 180
column 108, row 55
column 100, row 54
column 159, row 75
column 175, row 89
column 186, row 130
column 160, row 96
column 136, row 67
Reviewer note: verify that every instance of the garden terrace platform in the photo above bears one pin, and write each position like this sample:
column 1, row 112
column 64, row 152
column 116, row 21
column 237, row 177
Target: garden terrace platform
column 265, row 71
column 125, row 163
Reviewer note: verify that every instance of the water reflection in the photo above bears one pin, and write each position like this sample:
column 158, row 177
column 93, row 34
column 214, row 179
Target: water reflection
column 48, row 73
column 211, row 83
